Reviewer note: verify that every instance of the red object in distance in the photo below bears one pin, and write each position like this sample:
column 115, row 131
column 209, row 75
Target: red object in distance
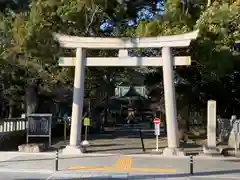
column 156, row 120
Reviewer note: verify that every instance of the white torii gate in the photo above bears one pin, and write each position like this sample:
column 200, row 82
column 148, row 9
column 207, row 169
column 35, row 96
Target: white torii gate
column 164, row 42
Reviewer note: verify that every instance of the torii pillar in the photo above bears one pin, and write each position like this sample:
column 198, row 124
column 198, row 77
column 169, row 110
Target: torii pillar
column 167, row 61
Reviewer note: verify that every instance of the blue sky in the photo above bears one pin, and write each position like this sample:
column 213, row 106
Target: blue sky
column 144, row 14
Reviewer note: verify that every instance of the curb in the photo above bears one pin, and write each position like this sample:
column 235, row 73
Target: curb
column 24, row 153
column 27, row 171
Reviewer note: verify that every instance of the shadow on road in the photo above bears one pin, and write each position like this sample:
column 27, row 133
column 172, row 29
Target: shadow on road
column 53, row 158
column 106, row 145
column 122, row 149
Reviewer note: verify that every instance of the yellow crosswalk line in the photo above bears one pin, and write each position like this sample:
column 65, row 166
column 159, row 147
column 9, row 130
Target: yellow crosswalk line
column 113, row 169
column 123, row 164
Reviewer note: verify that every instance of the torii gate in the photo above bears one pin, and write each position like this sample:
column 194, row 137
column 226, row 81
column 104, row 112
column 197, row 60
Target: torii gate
column 122, row 44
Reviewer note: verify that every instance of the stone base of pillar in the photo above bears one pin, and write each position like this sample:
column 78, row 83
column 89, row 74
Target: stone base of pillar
column 211, row 151
column 73, row 150
column 173, row 152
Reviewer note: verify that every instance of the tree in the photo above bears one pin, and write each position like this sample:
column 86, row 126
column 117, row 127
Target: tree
column 213, row 52
column 35, row 58
column 29, row 54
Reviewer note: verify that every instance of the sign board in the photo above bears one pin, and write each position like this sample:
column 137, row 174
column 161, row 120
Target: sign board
column 39, row 125
column 86, row 121
column 157, row 122
column 157, row 129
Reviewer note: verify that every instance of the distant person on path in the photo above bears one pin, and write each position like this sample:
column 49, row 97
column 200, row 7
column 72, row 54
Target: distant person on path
column 131, row 116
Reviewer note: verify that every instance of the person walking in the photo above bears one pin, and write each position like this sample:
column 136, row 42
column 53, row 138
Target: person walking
column 131, row 116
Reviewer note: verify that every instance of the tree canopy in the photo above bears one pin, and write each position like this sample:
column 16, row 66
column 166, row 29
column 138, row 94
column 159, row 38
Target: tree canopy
column 29, row 55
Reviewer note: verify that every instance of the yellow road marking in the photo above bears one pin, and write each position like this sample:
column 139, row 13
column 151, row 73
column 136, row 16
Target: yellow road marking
column 112, row 169
column 124, row 163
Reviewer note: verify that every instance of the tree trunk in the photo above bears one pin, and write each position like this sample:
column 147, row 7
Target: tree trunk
column 10, row 110
column 106, row 99
column 31, row 97
column 2, row 108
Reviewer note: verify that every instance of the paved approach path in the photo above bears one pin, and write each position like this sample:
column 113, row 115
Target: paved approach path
column 20, row 166
column 124, row 139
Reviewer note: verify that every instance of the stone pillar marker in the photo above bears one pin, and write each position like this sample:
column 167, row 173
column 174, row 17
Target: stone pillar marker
column 211, row 124
column 77, row 107
column 211, row 148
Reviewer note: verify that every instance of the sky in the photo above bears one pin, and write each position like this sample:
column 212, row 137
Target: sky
column 144, row 14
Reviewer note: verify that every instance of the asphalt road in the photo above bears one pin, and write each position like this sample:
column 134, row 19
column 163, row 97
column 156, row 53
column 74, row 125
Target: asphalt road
column 18, row 166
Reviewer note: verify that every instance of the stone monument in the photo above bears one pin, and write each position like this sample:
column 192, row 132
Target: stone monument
column 211, row 147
